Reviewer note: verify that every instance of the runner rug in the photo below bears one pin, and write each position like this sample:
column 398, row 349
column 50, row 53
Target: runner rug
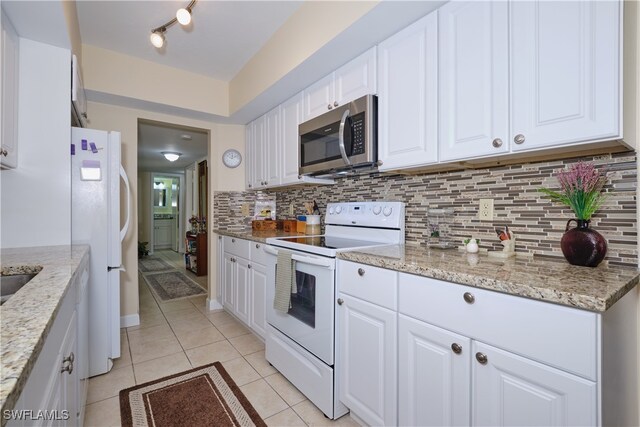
column 149, row 264
column 172, row 285
column 204, row 396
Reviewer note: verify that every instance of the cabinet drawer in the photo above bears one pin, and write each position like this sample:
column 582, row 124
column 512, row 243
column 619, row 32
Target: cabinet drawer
column 258, row 254
column 235, row 246
column 376, row 285
column 559, row 336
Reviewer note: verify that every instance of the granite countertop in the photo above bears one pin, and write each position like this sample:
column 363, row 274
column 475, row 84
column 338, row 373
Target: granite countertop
column 28, row 315
column 594, row 289
column 254, row 235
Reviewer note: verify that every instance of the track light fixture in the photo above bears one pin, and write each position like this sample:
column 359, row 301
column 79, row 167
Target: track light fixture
column 183, row 16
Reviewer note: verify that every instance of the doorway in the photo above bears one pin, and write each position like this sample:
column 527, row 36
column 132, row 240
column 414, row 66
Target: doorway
column 168, row 211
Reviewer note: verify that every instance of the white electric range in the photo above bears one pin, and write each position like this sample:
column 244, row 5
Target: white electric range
column 301, row 342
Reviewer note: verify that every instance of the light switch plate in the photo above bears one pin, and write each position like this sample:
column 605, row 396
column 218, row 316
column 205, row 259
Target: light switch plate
column 485, row 212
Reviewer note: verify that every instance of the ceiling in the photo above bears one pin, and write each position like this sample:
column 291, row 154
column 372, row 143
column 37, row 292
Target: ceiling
column 222, row 36
column 155, row 137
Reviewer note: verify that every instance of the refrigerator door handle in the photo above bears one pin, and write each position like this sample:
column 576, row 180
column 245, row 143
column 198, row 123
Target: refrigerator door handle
column 125, row 178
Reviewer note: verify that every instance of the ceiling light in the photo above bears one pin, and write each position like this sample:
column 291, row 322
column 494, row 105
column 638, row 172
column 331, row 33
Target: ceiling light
column 171, row 156
column 183, row 16
column 157, row 39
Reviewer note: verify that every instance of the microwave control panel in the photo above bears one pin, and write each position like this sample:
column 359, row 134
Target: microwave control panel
column 357, row 132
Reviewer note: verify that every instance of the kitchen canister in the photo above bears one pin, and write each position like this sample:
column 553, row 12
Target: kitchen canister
column 313, row 225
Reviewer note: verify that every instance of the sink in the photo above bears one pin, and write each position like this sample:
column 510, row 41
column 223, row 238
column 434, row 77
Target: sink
column 9, row 285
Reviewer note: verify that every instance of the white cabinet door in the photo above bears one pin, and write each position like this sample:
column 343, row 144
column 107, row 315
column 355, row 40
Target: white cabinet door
column 242, row 291
column 290, row 118
column 258, row 317
column 9, row 94
column 69, row 373
column 434, row 372
column 510, row 390
column 474, row 79
column 228, row 278
column 356, row 78
column 271, row 148
column 368, row 360
column 408, row 96
column 319, row 97
column 258, row 161
column 565, row 72
column 250, row 147
column 162, row 232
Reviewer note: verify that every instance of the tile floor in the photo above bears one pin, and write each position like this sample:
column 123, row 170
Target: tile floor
column 180, row 335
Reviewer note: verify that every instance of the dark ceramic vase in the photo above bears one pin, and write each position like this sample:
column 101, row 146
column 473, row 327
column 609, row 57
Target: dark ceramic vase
column 582, row 245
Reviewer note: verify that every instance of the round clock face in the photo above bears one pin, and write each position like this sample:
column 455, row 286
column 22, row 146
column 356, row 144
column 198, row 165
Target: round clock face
column 232, row 158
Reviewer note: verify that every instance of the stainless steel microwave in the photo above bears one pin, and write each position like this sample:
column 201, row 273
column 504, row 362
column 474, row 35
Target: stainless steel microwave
column 343, row 139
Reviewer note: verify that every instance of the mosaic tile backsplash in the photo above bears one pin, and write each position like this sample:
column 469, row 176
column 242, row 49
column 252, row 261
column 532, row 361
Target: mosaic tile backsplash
column 537, row 223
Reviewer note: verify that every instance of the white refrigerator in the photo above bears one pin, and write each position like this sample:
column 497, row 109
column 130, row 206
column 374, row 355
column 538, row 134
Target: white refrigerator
column 95, row 220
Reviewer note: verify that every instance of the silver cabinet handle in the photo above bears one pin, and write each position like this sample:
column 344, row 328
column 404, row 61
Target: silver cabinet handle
column 340, row 301
column 482, row 358
column 361, row 272
column 497, row 142
column 457, row 348
column 468, row 297
column 519, row 138
column 67, row 363
column 335, row 103
column 4, row 152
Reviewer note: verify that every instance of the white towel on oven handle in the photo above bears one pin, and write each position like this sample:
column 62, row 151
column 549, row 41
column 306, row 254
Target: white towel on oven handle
column 285, row 281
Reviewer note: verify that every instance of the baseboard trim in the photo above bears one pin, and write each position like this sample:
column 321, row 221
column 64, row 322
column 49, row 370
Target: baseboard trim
column 214, row 304
column 129, row 320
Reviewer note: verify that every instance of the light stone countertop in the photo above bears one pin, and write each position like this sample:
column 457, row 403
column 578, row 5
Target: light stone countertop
column 594, row 289
column 28, row 315
column 256, row 236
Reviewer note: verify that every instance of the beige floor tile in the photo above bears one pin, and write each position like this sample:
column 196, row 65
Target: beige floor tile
column 177, row 305
column 285, row 389
column 247, row 344
column 241, row 372
column 199, row 337
column 161, row 367
column 286, row 418
column 183, row 313
column 109, row 385
column 149, row 350
column 260, row 364
column 216, row 352
column 105, row 413
column 263, row 398
column 149, row 334
column 313, row 416
column 125, row 354
column 220, row 317
column 191, row 323
column 148, row 321
column 232, row 329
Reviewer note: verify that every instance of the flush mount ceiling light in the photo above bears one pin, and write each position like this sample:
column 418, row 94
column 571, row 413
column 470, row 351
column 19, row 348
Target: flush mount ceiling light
column 171, row 156
column 183, row 16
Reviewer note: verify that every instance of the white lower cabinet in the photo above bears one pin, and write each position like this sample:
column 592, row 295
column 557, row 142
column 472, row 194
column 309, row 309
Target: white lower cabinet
column 367, row 343
column 236, row 285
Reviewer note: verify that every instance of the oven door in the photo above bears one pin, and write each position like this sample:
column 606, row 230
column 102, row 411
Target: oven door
column 310, row 320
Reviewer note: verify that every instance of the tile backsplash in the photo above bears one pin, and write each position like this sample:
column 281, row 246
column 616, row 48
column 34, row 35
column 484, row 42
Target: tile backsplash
column 537, row 222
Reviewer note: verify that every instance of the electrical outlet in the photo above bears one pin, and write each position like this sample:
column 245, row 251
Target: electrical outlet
column 291, row 211
column 245, row 209
column 485, row 213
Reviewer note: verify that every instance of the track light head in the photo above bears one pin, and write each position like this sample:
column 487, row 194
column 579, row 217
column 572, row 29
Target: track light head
column 183, row 16
column 157, row 38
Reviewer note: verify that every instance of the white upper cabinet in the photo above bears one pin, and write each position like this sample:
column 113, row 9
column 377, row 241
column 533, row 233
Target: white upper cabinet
column 474, row 79
column 351, row 81
column 290, row 118
column 565, row 72
column 408, row 96
column 271, row 148
column 9, row 94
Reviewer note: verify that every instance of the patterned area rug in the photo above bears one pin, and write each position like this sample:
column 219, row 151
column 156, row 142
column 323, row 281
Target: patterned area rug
column 204, row 396
column 150, row 264
column 172, row 285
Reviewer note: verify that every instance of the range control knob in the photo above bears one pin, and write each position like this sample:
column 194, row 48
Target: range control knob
column 331, row 210
column 387, row 210
column 338, row 209
column 377, row 210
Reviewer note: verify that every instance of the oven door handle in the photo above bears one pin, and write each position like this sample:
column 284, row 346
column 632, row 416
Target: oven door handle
column 343, row 151
column 320, row 262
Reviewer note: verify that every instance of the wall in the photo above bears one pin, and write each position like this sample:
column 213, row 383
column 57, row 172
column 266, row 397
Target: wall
column 125, row 120
column 36, row 196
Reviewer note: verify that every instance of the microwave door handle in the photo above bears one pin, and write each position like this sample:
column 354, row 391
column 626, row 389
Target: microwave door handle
column 343, row 151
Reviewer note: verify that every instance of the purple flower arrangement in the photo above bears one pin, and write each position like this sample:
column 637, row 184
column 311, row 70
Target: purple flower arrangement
column 580, row 189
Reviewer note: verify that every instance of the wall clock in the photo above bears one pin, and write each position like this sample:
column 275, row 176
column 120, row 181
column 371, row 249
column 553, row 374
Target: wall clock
column 232, row 158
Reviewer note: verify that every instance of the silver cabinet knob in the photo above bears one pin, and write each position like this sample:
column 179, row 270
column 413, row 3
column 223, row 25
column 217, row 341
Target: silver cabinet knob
column 233, row 240
column 249, row 185
column 299, row 176
column 4, row 152
column 482, row 358
column 340, row 301
column 519, row 138
column 468, row 297
column 249, row 266
column 457, row 348
column 329, row 107
column 67, row 363
column 257, row 246
column 335, row 103
column 361, row 272
column 497, row 142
